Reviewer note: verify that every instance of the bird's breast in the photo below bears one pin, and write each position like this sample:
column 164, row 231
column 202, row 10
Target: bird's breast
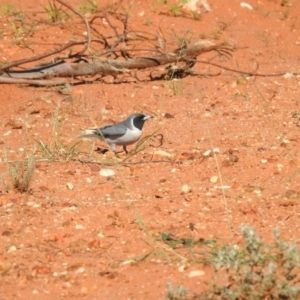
column 130, row 137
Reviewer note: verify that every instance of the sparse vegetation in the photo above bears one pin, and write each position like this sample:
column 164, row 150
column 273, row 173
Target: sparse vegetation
column 58, row 150
column 254, row 270
column 6, row 9
column 88, row 6
column 175, row 294
column 21, row 173
column 55, row 14
column 124, row 215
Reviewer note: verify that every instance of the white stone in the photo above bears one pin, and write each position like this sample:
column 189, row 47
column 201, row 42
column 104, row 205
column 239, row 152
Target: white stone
column 70, row 185
column 107, row 172
column 207, row 153
column 214, row 179
column 246, row 5
column 185, row 189
column 196, row 273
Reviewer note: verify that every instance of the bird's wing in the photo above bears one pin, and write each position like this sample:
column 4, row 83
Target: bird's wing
column 112, row 130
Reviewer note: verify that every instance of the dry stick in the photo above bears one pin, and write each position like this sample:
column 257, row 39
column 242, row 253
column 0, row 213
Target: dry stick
column 88, row 30
column 68, row 45
column 42, row 82
column 227, row 212
column 246, row 72
column 41, row 56
column 112, row 66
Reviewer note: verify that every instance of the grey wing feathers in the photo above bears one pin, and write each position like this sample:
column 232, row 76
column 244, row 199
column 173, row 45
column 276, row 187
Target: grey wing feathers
column 119, row 129
column 107, row 131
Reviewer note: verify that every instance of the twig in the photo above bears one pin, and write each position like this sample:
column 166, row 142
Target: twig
column 88, row 30
column 246, row 72
column 41, row 56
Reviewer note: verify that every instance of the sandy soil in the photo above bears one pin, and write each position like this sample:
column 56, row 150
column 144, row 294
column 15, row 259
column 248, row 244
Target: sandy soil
column 230, row 156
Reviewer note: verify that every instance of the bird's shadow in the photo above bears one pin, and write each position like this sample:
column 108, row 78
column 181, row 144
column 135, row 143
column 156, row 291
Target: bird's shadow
column 101, row 150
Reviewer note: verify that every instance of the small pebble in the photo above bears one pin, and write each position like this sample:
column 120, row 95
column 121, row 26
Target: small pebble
column 161, row 153
column 80, row 270
column 78, row 226
column 7, row 133
column 279, row 166
column 185, row 189
column 207, row 153
column 196, row 273
column 12, row 249
column 246, row 5
column 107, row 172
column 182, row 268
column 70, row 185
column 214, row 179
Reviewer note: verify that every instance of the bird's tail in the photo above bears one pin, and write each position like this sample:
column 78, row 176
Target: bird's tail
column 90, row 135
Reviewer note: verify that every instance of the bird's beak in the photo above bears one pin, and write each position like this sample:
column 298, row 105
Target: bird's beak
column 147, row 117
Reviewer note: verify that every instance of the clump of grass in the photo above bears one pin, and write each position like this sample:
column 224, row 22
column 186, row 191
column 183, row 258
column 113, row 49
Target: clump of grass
column 256, row 270
column 21, row 173
column 88, row 6
column 175, row 294
column 57, row 150
column 176, row 86
column 56, row 15
column 7, row 9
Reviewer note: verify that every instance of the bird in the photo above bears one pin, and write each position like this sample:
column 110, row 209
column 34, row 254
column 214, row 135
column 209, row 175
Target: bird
column 124, row 133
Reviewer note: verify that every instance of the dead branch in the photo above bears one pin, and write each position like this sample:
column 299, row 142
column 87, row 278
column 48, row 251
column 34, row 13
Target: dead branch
column 117, row 40
column 112, row 66
column 55, row 51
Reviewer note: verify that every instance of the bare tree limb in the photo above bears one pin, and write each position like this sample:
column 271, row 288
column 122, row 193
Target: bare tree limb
column 114, row 67
column 55, row 51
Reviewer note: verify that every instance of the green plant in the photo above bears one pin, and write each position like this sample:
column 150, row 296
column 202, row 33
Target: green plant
column 21, row 173
column 6, row 9
column 196, row 15
column 21, row 31
column 285, row 2
column 55, row 14
column 175, row 294
column 216, row 34
column 88, row 6
column 256, row 270
column 174, row 7
column 57, row 150
column 148, row 21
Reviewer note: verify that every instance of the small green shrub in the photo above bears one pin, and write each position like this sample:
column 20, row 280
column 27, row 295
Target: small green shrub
column 256, row 270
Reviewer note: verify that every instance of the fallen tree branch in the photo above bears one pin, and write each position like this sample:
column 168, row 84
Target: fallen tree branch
column 114, row 67
column 60, row 49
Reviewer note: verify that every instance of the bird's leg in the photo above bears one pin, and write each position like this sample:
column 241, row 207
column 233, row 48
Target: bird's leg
column 124, row 148
column 113, row 148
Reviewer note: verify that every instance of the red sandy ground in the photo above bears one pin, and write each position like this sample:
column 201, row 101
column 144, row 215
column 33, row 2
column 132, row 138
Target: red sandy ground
column 92, row 241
